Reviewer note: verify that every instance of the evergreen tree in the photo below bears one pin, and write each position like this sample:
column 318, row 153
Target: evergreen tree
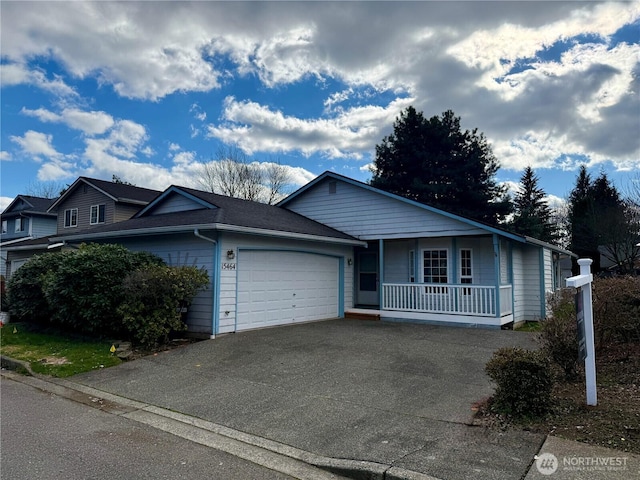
column 600, row 222
column 434, row 162
column 583, row 241
column 532, row 215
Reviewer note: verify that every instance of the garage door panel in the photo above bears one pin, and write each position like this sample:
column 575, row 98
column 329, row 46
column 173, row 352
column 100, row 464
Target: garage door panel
column 278, row 288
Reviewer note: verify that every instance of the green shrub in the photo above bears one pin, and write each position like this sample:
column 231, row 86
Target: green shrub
column 25, row 293
column 86, row 289
column 559, row 333
column 523, row 381
column 616, row 310
column 154, row 298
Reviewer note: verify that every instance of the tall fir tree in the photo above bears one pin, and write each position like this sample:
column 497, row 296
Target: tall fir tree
column 532, row 215
column 599, row 222
column 433, row 161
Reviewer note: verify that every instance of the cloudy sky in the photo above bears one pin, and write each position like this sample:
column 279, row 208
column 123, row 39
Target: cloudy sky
column 147, row 90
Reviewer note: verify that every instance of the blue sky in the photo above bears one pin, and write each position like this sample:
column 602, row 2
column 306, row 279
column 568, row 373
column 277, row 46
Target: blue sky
column 148, row 91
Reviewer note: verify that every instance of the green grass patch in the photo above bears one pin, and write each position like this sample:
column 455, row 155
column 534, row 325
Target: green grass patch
column 55, row 353
column 529, row 327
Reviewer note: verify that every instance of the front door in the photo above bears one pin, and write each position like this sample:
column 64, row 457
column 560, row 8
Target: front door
column 367, row 279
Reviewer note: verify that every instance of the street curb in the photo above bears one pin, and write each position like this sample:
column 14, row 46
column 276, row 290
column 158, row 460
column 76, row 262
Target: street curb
column 13, row 364
column 277, row 456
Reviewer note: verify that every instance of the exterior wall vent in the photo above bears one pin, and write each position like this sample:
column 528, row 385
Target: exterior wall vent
column 332, row 187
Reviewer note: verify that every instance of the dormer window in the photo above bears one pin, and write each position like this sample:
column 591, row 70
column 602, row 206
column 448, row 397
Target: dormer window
column 20, row 224
column 97, row 214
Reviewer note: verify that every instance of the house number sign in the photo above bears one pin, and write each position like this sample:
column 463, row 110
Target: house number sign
column 228, row 266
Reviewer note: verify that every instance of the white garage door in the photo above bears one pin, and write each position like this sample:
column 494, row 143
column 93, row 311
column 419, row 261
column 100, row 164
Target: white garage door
column 279, row 288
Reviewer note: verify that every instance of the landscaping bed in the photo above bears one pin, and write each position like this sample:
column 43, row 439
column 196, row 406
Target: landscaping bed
column 614, row 422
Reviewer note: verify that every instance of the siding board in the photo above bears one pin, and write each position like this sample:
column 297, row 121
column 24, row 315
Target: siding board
column 368, row 215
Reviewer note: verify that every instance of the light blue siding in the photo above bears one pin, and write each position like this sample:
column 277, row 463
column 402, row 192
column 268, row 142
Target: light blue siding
column 526, row 283
column 368, row 215
column 176, row 203
column 43, row 226
column 181, row 250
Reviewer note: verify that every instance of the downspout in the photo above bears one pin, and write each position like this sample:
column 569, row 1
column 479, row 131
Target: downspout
column 496, row 266
column 216, row 281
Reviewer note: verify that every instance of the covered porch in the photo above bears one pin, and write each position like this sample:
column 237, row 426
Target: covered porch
column 464, row 281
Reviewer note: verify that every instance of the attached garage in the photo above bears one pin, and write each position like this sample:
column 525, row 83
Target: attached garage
column 284, row 287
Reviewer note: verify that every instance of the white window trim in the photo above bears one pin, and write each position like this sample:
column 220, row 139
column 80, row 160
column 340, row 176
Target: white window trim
column 64, row 220
column 97, row 216
column 432, row 249
column 470, row 250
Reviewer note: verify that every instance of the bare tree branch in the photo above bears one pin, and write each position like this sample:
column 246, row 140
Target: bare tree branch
column 233, row 174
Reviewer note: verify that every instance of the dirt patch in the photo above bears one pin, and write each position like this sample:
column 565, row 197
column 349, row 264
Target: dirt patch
column 54, row 361
column 613, row 423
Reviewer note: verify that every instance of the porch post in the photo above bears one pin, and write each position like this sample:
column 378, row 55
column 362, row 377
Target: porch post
column 381, row 269
column 496, row 267
column 543, row 271
column 454, row 266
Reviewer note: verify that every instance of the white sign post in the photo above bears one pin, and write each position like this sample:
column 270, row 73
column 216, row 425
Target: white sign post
column 583, row 283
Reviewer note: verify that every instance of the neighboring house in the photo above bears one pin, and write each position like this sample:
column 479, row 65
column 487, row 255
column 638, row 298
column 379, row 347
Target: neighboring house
column 25, row 218
column 427, row 265
column 89, row 202
column 86, row 204
column 268, row 266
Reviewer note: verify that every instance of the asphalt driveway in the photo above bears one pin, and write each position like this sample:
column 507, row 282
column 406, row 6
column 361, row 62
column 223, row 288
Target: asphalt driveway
column 400, row 394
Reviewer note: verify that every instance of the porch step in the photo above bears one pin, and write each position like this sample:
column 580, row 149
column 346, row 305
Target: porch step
column 362, row 315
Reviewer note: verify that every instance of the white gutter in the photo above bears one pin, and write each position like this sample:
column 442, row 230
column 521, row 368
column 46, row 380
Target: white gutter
column 211, row 226
column 278, row 233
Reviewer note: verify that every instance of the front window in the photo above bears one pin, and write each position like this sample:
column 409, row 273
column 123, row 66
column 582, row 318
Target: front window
column 5, row 227
column 20, row 224
column 466, row 270
column 435, row 269
column 71, row 218
column 97, row 214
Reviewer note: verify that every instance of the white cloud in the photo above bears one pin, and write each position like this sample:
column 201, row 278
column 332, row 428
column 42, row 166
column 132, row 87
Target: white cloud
column 553, row 114
column 55, row 170
column 173, row 147
column 37, row 144
column 5, row 156
column 254, row 127
column 5, row 202
column 197, row 112
column 16, row 74
column 90, row 123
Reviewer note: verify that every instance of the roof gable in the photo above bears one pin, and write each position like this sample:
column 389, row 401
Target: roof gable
column 118, row 192
column 471, row 224
column 30, row 204
column 174, row 199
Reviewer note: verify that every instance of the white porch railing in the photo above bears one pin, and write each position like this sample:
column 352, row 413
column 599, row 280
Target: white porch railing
column 462, row 299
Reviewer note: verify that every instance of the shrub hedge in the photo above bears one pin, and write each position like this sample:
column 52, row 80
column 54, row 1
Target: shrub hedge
column 105, row 290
